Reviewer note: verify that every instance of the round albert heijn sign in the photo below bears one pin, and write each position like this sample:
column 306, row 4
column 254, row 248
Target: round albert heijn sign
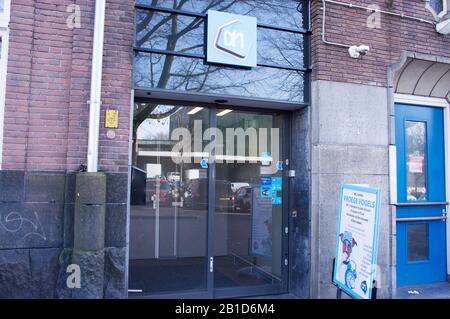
column 357, row 240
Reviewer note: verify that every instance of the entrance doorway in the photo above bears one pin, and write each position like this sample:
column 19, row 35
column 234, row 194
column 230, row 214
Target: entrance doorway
column 421, row 208
column 209, row 203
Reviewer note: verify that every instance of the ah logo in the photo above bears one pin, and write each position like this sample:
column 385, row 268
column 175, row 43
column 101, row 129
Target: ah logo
column 231, row 39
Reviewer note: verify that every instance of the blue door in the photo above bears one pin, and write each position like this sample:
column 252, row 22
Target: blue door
column 421, row 208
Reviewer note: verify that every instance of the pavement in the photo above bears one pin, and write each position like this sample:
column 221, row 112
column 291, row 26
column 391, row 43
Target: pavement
column 432, row 291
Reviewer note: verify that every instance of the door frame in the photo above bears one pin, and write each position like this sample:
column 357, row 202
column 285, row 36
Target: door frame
column 426, row 102
column 211, row 292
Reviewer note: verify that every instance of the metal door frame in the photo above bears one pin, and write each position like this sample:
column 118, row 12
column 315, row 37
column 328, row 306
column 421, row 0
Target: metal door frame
column 232, row 292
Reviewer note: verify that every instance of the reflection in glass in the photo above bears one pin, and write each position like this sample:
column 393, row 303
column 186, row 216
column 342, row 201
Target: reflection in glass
column 192, row 75
column 416, row 157
column 185, row 35
column 165, row 31
column 437, row 5
column 168, row 237
column 280, row 48
column 282, row 13
column 418, row 242
column 248, row 214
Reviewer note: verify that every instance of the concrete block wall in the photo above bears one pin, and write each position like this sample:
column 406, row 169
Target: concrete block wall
column 349, row 145
column 37, row 228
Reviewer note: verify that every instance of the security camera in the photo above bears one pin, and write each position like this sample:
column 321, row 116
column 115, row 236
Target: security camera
column 356, row 51
column 443, row 27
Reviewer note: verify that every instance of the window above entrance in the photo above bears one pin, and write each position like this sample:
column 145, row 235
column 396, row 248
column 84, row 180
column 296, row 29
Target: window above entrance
column 170, row 49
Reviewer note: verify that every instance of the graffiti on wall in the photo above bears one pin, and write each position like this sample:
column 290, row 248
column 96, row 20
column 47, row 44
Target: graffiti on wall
column 15, row 223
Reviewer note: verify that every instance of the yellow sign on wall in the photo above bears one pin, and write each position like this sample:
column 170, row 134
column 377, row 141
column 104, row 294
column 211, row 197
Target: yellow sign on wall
column 112, row 119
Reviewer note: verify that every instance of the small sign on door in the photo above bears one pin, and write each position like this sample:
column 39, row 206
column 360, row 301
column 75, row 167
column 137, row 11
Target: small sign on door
column 415, row 164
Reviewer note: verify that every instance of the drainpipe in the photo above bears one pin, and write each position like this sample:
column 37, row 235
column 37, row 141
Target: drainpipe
column 96, row 86
column 90, row 189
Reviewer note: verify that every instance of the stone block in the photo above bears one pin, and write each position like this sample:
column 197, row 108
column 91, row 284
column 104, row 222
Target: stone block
column 31, row 225
column 116, row 225
column 69, row 223
column 11, row 186
column 44, row 269
column 115, row 273
column 91, row 188
column 92, row 265
column 44, row 187
column 89, row 227
column 116, row 188
column 345, row 113
column 15, row 274
column 64, row 260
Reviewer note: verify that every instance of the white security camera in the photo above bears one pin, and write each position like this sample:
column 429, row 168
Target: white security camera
column 356, row 51
column 443, row 27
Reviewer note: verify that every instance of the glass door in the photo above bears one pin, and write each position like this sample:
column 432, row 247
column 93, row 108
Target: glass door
column 248, row 215
column 169, row 202
column 208, row 203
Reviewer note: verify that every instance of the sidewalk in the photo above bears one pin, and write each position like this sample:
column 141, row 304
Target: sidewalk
column 433, row 291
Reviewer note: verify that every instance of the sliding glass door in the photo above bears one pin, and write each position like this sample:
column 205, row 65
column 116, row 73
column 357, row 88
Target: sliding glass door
column 208, row 203
column 248, row 248
column 169, row 211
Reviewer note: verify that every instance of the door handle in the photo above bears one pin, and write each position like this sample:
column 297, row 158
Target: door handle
column 419, row 219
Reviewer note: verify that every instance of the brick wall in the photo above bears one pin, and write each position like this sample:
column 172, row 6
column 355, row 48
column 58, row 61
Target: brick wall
column 349, row 26
column 48, row 84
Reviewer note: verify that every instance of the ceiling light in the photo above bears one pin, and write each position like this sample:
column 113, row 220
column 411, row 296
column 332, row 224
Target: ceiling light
column 195, row 110
column 224, row 112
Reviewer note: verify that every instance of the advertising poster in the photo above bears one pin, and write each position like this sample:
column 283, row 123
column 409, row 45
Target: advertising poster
column 277, row 188
column 357, row 240
column 266, row 187
column 261, row 238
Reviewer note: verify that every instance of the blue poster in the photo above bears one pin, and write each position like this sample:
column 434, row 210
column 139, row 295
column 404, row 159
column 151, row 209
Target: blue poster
column 357, row 240
column 277, row 183
column 266, row 187
column 277, row 188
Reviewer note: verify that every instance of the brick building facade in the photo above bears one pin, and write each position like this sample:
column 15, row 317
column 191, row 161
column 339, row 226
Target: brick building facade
column 343, row 135
column 45, row 139
column 45, row 131
column 353, row 113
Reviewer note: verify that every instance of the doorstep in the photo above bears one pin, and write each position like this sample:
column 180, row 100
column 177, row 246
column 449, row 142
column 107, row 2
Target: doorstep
column 439, row 290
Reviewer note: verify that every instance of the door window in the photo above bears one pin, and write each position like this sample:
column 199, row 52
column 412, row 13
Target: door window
column 416, row 160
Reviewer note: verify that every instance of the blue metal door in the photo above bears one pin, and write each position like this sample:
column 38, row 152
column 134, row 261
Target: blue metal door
column 421, row 208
